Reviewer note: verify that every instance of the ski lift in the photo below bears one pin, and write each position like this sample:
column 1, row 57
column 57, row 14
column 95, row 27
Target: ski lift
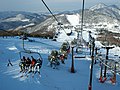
column 30, row 65
column 80, row 52
column 23, row 37
column 31, row 40
column 53, row 59
column 29, row 53
column 69, row 33
column 26, row 62
column 59, row 23
column 54, row 39
column 79, row 49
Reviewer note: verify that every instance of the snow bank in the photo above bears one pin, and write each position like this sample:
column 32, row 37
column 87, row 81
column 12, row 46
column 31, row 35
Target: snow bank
column 12, row 48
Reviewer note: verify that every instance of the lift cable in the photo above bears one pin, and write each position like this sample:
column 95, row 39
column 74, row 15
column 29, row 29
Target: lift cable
column 82, row 18
column 81, row 21
column 53, row 16
column 49, row 10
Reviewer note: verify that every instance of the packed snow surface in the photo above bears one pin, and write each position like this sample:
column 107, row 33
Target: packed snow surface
column 50, row 79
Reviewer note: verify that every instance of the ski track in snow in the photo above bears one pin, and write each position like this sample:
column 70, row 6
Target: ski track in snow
column 14, row 71
column 46, row 78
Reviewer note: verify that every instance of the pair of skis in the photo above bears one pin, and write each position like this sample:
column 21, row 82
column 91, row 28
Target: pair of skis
column 28, row 74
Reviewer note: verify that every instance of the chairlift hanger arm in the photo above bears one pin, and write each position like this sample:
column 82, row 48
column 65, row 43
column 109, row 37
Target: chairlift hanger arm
column 30, row 52
column 23, row 45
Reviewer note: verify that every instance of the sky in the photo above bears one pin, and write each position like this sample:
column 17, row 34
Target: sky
column 54, row 5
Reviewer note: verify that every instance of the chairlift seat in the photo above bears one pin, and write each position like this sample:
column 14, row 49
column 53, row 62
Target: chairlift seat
column 79, row 56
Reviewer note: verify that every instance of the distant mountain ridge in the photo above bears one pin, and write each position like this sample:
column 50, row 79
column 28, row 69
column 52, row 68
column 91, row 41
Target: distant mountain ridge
column 98, row 14
column 111, row 10
column 14, row 19
column 43, row 24
column 98, row 6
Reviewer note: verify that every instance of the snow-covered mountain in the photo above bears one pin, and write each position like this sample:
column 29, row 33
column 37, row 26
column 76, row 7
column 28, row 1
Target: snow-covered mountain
column 111, row 10
column 98, row 16
column 14, row 19
column 19, row 17
column 48, row 26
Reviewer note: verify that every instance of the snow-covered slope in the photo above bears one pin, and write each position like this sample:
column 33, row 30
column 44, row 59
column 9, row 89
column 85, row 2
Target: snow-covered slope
column 74, row 19
column 51, row 79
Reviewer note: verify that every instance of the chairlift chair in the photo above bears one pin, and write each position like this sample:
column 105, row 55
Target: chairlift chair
column 53, row 59
column 25, row 66
column 31, row 40
column 80, row 52
column 55, row 38
column 23, row 37
column 79, row 49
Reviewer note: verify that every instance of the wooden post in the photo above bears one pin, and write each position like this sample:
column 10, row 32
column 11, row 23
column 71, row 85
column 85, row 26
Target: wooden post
column 90, row 49
column 95, row 55
column 100, row 79
column 90, row 37
column 92, row 63
column 113, row 79
column 106, row 61
column 72, row 65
